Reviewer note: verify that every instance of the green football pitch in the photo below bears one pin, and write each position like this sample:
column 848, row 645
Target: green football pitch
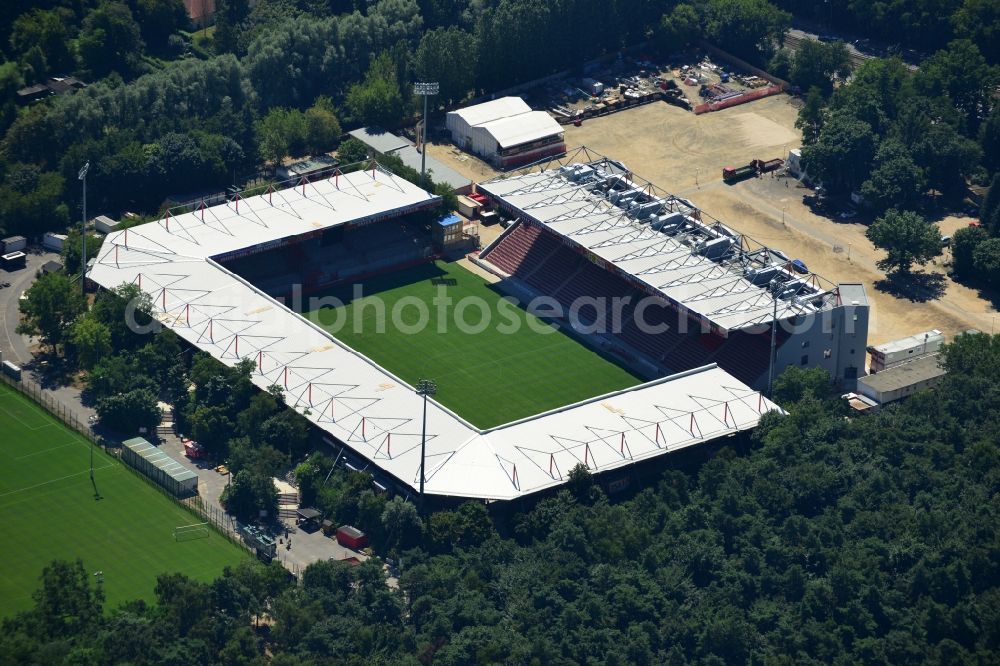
column 49, row 510
column 498, row 368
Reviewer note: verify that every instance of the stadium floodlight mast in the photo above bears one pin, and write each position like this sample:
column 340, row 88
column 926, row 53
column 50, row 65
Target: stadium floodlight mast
column 425, row 387
column 83, row 233
column 774, row 332
column 426, row 89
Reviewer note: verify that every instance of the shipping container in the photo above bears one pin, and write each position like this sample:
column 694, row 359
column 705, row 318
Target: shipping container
column 105, row 224
column 53, row 241
column 11, row 370
column 469, row 208
column 351, row 537
column 13, row 261
column 14, row 243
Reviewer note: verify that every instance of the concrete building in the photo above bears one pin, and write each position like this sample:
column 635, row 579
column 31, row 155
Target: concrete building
column 506, row 132
column 903, row 380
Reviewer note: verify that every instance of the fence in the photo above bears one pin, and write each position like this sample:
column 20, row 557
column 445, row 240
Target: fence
column 221, row 521
column 748, row 96
column 34, row 391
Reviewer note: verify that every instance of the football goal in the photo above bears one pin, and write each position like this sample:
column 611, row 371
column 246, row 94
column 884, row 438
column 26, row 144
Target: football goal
column 191, row 532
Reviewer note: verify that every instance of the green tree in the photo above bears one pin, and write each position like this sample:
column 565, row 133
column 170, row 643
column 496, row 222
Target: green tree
column 963, row 245
column 748, row 28
column 110, row 40
column 158, row 20
column 211, row 426
column 249, row 494
column 810, row 118
column 377, row 101
column 815, row 64
column 352, row 151
column 796, row 383
column 31, row 200
column 679, row 28
column 986, row 261
column 842, row 155
column 280, row 133
column 48, row 30
column 906, row 238
column 229, row 15
column 401, row 523
column 895, row 180
column 72, row 249
column 962, row 73
column 130, row 412
column 322, row 131
column 946, row 157
column 123, row 309
column 91, row 341
column 50, row 306
column 989, row 140
column 448, row 56
column 989, row 212
column 67, row 604
column 980, row 21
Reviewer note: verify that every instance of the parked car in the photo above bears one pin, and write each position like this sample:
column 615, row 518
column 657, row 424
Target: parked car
column 847, row 214
column 946, row 240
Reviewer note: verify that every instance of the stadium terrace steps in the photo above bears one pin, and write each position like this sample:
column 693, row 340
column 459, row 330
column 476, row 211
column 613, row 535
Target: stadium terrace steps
column 543, row 262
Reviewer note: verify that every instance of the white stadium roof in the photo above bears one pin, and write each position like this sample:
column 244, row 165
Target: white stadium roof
column 352, row 398
column 707, row 267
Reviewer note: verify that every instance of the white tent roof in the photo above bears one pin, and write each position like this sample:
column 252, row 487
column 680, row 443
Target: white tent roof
column 496, row 109
column 515, row 130
column 373, row 412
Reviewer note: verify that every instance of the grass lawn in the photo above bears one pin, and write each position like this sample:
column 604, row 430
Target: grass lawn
column 489, row 377
column 48, row 510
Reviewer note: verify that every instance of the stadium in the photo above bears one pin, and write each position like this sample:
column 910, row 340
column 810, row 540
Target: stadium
column 514, row 413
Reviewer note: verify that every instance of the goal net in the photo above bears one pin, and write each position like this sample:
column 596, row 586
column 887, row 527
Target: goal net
column 189, row 532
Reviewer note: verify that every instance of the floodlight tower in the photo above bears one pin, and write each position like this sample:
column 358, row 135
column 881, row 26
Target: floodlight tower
column 773, row 288
column 425, row 89
column 83, row 233
column 425, row 387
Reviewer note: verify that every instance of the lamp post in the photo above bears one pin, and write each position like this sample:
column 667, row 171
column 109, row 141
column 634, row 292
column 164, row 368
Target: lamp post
column 83, row 233
column 426, row 89
column 425, row 387
column 774, row 333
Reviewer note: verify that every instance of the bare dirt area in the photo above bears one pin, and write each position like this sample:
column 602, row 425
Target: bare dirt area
column 684, row 154
column 464, row 163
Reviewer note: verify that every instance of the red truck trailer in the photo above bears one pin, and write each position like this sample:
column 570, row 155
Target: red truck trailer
column 351, row 537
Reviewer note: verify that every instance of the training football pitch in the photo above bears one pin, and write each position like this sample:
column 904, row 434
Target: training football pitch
column 489, row 374
column 49, row 510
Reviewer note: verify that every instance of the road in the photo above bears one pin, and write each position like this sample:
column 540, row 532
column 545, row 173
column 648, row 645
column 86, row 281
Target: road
column 795, row 36
column 15, row 346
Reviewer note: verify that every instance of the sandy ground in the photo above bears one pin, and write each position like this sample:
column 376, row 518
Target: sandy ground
column 464, row 163
column 684, row 154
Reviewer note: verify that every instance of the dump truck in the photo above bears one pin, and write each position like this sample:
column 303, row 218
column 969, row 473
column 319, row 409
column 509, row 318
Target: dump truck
column 764, row 166
column 733, row 174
